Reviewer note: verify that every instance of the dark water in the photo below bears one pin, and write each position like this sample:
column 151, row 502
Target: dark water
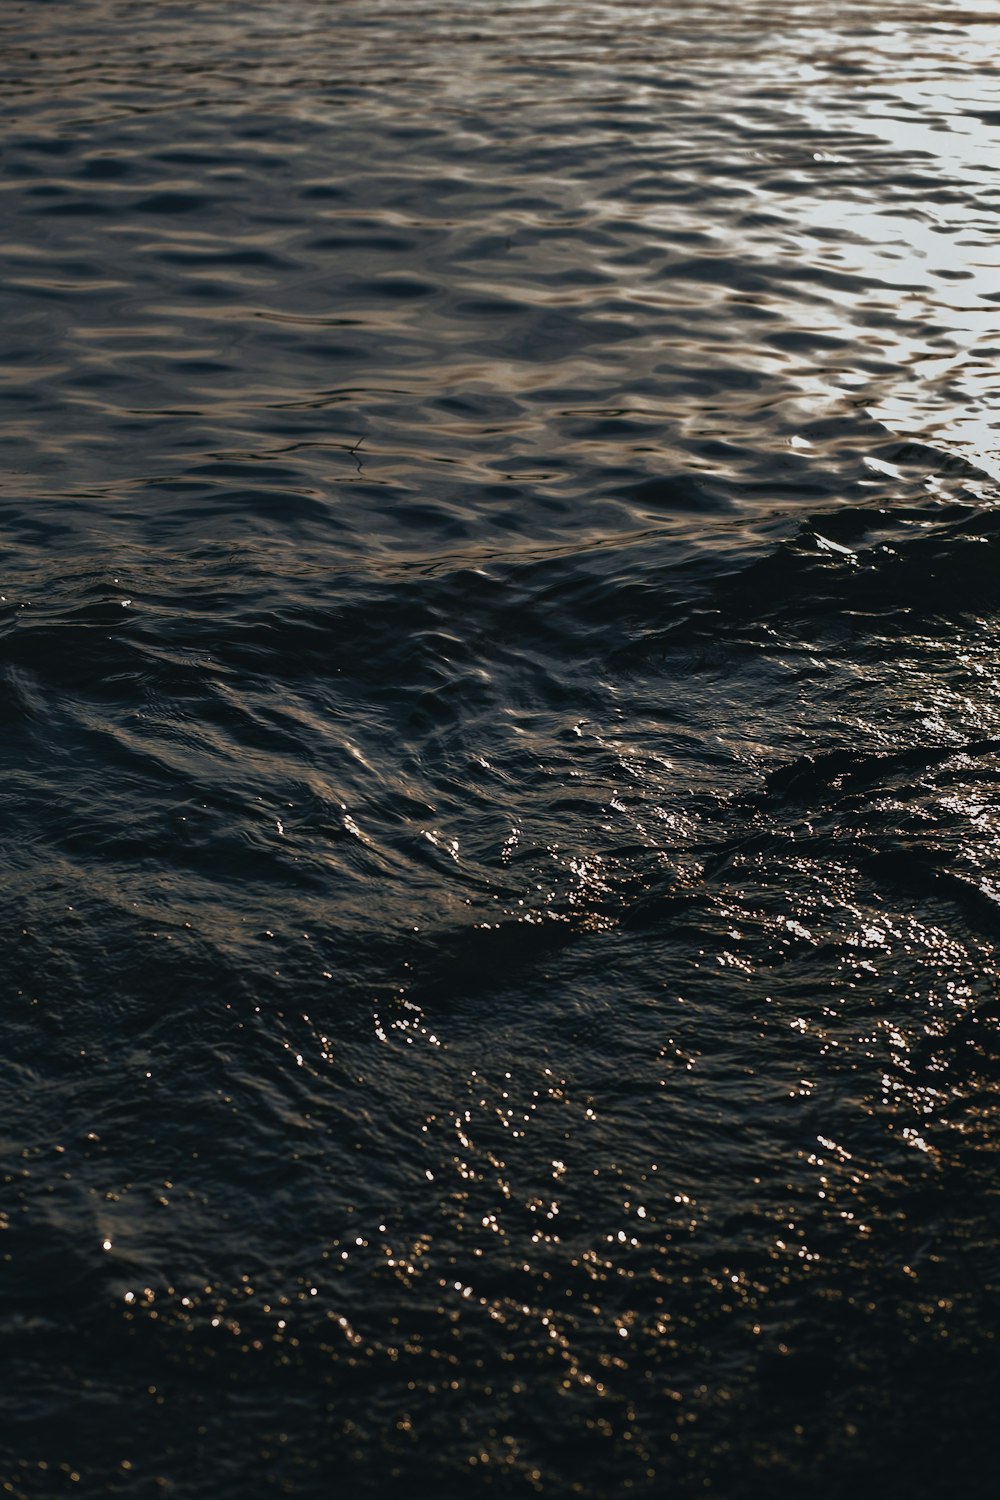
column 500, row 674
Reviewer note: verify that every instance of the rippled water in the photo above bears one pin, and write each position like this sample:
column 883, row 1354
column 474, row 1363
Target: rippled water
column 501, row 745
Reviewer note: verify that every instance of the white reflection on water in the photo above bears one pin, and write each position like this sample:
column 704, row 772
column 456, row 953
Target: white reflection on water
column 937, row 257
column 945, row 255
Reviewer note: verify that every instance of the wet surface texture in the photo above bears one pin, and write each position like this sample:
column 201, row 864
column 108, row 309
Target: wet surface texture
column 499, row 665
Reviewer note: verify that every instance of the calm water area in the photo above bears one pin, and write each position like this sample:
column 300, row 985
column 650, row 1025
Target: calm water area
column 500, row 749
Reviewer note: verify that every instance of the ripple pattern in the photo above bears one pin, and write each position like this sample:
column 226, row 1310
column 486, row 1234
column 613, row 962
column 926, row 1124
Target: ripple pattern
column 499, row 675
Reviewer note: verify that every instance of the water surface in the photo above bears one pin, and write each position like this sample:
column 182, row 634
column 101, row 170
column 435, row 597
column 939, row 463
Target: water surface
column 500, row 742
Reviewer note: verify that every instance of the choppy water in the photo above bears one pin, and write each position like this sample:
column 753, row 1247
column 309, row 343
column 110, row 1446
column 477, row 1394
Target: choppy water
column 501, row 748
